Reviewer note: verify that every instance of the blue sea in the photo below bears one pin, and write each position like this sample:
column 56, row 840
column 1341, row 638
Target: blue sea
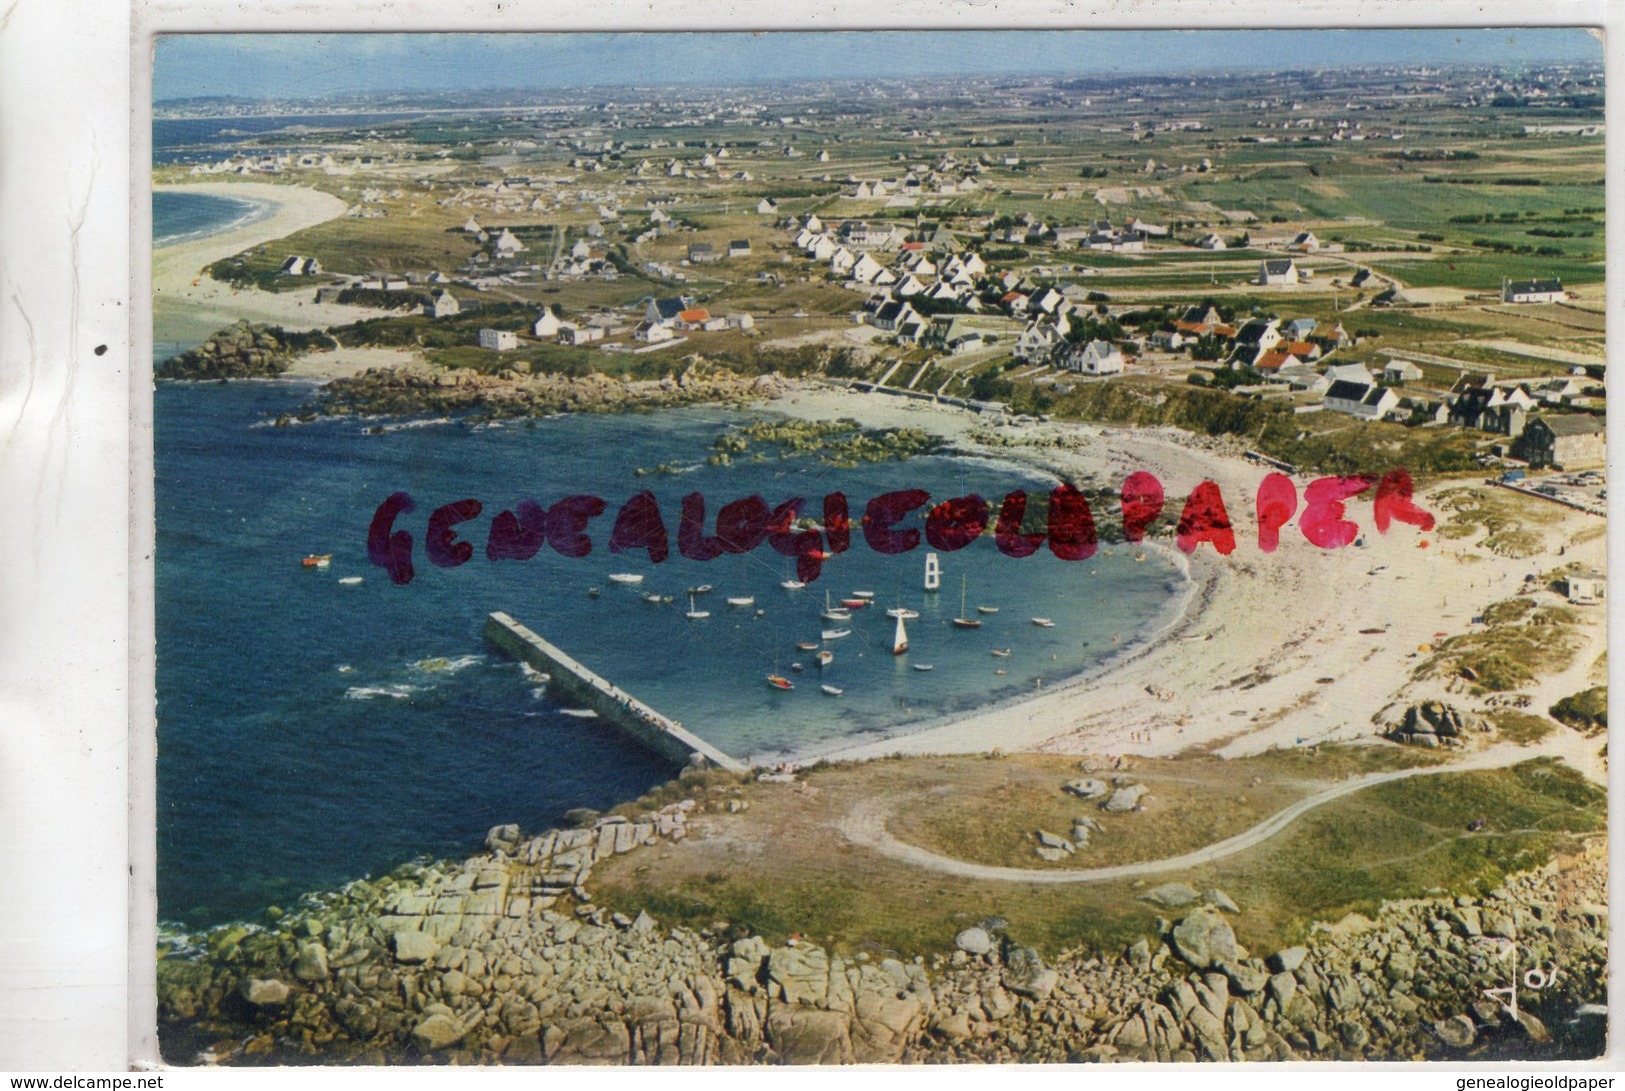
column 208, row 139
column 312, row 731
column 180, row 217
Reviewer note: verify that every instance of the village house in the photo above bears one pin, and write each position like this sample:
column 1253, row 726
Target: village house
column 739, row 248
column 546, row 325
column 1093, row 358
column 498, row 340
column 701, row 253
column 1276, row 271
column 693, row 319
column 1037, row 342
column 893, row 314
column 1585, row 588
column 1210, row 241
column 767, row 206
column 1306, row 241
column 571, row 334
column 507, row 245
column 1571, row 441
column 1363, row 400
column 441, row 304
column 1532, row 291
column 664, row 312
column 1401, row 371
column 301, row 267
column 651, row 333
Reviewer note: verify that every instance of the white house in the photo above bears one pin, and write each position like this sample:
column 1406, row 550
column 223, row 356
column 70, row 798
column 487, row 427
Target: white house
column 1278, row 271
column 1533, row 291
column 651, row 332
column 1094, row 358
column 507, row 245
column 546, row 325
column 1037, row 341
column 1401, row 371
column 1210, row 242
column 570, row 334
column 1362, row 400
column 499, row 340
column 442, row 304
column 866, row 269
column 301, row 267
column 767, row 206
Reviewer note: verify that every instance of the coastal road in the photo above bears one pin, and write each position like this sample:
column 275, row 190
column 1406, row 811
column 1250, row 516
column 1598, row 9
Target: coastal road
column 865, row 825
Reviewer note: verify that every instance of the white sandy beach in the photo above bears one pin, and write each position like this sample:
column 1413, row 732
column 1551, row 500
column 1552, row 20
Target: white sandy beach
column 1270, row 652
column 183, row 296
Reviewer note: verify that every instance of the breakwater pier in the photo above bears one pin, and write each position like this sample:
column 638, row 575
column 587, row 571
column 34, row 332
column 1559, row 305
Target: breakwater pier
column 581, row 686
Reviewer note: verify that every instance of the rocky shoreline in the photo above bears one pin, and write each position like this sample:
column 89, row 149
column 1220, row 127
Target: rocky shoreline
column 505, row 958
column 508, row 394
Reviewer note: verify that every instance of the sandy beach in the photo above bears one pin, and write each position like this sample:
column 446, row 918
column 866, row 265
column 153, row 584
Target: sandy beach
column 1270, row 651
column 188, row 303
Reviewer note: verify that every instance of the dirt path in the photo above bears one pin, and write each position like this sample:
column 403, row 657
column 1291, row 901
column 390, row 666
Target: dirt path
column 866, row 825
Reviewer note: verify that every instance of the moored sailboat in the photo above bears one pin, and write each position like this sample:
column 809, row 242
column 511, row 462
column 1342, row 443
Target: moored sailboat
column 899, row 641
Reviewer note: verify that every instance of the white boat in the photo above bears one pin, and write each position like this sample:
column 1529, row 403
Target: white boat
column 1043, row 623
column 832, row 613
column 792, row 585
column 693, row 614
column 831, row 690
column 1002, row 653
column 925, row 666
column 743, row 600
column 349, row 581
column 825, row 658
column 902, row 612
column 625, row 577
column 835, row 634
column 650, row 596
column 899, row 642
column 702, row 589
column 580, row 713
column 962, row 621
column 987, row 609
column 866, row 595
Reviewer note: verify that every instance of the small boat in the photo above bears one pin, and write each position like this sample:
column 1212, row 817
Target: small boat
column 779, row 681
column 1001, row 670
column 317, row 560
column 1043, row 623
column 864, row 595
column 1002, row 653
column 925, row 666
column 761, row 613
column 702, row 589
column 593, row 592
column 807, row 645
column 899, row 641
column 580, row 713
column 825, row 658
column 854, row 603
column 797, row 667
column 650, row 596
column 694, row 614
column 349, row 581
column 987, row 609
column 743, row 600
column 791, row 585
column 833, row 691
column 625, row 577
column 902, row 611
column 835, row 634
column 963, row 621
column 835, row 615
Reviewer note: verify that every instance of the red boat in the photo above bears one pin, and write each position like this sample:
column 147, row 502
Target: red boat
column 779, row 681
column 854, row 604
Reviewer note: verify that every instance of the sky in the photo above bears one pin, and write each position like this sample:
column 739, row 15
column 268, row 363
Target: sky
column 308, row 65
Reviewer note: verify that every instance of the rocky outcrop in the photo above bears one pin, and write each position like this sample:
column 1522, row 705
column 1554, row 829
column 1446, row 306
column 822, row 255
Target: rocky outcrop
column 504, row 958
column 1435, row 724
column 511, row 393
column 243, row 351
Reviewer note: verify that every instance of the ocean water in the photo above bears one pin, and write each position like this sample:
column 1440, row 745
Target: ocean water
column 312, row 731
column 208, row 139
column 180, row 217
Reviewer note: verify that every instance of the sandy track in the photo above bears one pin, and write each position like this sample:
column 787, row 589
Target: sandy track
column 865, row 825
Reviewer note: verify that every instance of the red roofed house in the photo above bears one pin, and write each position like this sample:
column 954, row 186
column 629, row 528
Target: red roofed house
column 693, row 318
